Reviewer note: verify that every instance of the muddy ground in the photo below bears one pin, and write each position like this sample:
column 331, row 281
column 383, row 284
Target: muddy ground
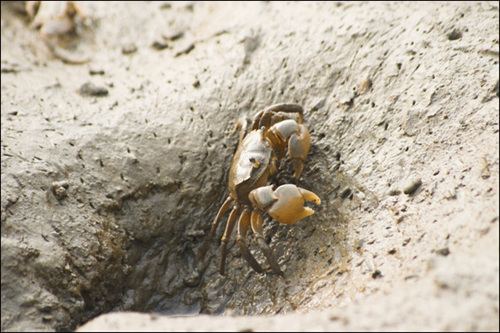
column 107, row 198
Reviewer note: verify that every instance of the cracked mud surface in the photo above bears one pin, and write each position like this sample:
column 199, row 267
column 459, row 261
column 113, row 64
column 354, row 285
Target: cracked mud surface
column 107, row 197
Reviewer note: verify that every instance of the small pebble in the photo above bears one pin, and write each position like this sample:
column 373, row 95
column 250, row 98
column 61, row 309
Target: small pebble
column 159, row 45
column 444, row 251
column 59, row 189
column 365, row 86
column 96, row 72
column 90, row 89
column 455, row 34
column 345, row 193
column 394, row 192
column 9, row 69
column 319, row 105
column 174, row 36
column 129, row 48
column 412, row 186
column 185, row 51
column 376, row 274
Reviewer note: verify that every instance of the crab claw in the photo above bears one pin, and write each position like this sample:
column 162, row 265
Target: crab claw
column 286, row 203
column 298, row 142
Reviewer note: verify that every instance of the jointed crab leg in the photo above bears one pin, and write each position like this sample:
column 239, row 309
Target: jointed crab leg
column 264, row 117
column 220, row 214
column 242, row 124
column 227, row 234
column 243, row 225
column 256, row 219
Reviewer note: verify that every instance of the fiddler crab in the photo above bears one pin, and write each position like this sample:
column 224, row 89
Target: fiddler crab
column 56, row 18
column 256, row 159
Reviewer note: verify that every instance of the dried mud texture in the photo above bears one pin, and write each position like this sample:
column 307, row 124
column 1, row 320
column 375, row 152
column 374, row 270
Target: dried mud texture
column 107, row 198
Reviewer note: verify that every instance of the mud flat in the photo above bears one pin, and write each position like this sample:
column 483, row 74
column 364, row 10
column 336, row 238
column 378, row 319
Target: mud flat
column 113, row 170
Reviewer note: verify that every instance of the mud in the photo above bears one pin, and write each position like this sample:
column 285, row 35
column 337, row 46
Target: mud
column 107, row 198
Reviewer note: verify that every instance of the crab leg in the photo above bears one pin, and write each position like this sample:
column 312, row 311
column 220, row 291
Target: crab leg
column 223, row 209
column 286, row 107
column 257, row 230
column 298, row 140
column 264, row 117
column 243, row 225
column 227, row 234
column 242, row 124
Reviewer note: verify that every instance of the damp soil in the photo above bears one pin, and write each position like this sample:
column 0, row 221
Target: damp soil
column 113, row 170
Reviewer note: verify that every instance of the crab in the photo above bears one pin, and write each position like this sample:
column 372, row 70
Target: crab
column 257, row 158
column 56, row 18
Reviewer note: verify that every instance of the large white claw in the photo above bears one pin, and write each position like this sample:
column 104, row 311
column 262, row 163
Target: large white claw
column 286, row 203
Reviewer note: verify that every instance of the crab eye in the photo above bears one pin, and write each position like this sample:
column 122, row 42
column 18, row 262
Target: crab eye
column 255, row 163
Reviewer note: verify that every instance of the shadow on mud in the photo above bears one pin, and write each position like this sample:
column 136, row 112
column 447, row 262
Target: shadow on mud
column 174, row 268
